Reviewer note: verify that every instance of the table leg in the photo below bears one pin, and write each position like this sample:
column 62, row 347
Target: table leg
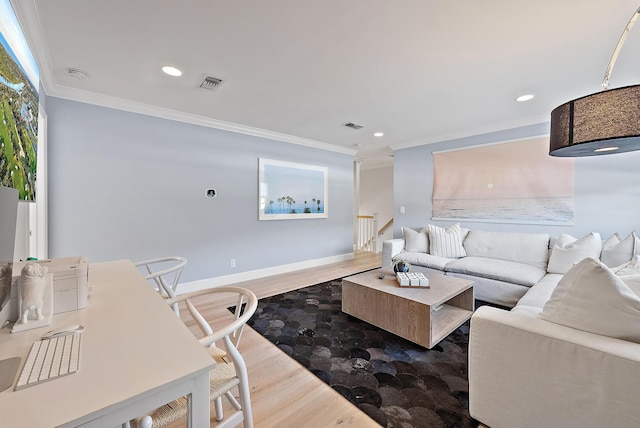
column 198, row 403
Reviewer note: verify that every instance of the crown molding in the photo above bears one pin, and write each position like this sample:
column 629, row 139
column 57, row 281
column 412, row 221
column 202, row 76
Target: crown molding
column 531, row 121
column 88, row 97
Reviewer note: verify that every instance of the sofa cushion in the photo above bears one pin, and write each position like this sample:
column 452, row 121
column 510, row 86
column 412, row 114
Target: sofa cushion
column 632, row 267
column 489, row 290
column 446, row 241
column 529, row 248
column 592, row 298
column 415, row 241
column 568, row 250
column 423, row 259
column 616, row 251
column 633, row 282
column 501, row 270
column 535, row 299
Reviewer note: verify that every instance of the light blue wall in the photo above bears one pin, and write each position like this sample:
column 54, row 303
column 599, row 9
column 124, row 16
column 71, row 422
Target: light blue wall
column 607, row 188
column 125, row 185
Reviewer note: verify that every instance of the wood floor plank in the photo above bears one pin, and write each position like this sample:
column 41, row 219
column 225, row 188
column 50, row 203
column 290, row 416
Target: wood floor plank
column 283, row 393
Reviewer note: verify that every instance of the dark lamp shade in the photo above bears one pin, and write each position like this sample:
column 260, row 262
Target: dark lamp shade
column 606, row 119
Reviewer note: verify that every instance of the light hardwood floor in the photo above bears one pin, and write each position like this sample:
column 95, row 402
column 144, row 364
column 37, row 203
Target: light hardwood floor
column 284, row 393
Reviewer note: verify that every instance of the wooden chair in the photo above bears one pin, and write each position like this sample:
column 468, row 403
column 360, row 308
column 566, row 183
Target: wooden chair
column 230, row 370
column 164, row 272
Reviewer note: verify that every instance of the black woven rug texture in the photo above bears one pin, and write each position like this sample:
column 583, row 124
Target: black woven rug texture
column 396, row 382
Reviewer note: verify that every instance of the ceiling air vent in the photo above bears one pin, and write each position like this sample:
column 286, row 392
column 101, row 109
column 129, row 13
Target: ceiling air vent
column 210, row 83
column 353, row 125
column 77, row 73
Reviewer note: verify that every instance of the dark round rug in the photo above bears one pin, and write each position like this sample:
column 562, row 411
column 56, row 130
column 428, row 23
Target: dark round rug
column 396, row 382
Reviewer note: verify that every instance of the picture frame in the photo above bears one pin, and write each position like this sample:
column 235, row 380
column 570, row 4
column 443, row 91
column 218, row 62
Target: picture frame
column 504, row 182
column 291, row 191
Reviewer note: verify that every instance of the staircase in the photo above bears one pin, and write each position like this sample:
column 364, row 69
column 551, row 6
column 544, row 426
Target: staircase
column 368, row 232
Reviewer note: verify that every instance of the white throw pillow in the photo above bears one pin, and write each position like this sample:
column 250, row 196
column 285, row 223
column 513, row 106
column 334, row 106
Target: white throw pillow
column 632, row 267
column 446, row 241
column 568, row 251
column 616, row 251
column 592, row 298
column 415, row 242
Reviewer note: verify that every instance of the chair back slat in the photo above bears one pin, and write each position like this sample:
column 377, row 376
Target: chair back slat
column 202, row 323
column 246, row 305
column 164, row 273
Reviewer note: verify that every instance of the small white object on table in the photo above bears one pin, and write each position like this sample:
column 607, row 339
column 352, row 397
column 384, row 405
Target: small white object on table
column 412, row 279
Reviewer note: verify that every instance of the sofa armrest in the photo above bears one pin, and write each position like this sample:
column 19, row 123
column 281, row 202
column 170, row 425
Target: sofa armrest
column 390, row 248
column 528, row 372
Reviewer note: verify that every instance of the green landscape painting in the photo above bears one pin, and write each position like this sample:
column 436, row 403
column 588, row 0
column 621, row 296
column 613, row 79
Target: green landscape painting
column 19, row 80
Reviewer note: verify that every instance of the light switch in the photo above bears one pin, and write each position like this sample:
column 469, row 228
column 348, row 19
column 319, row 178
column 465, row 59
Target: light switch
column 402, row 209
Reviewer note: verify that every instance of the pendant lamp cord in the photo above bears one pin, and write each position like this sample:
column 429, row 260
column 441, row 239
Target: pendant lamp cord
column 616, row 52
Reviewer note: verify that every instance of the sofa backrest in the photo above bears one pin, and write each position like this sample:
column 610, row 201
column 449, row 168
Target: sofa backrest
column 529, row 248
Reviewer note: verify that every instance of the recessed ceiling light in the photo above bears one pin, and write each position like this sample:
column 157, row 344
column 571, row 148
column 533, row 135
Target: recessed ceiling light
column 172, row 71
column 378, row 134
column 526, row 97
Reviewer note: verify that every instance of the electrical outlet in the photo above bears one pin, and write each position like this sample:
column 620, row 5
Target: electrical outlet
column 233, row 263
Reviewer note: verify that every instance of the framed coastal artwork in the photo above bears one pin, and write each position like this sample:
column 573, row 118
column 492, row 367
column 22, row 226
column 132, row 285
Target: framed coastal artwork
column 510, row 182
column 289, row 190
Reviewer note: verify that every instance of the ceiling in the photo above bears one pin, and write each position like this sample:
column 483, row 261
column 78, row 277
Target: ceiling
column 419, row 71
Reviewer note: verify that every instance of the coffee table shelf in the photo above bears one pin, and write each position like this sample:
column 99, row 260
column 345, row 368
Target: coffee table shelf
column 422, row 315
column 446, row 320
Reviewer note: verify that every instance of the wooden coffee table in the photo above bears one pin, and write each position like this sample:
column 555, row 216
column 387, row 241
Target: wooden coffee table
column 422, row 315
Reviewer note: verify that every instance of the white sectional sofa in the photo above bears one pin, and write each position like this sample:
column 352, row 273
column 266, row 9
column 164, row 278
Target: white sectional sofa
column 529, row 367
column 502, row 265
column 568, row 352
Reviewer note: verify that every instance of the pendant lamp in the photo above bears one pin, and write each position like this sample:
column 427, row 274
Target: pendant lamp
column 602, row 123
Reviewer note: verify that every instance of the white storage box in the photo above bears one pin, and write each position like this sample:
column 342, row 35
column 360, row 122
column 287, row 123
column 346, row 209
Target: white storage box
column 70, row 288
column 403, row 279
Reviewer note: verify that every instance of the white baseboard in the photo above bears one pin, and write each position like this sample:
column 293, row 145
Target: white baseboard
column 203, row 284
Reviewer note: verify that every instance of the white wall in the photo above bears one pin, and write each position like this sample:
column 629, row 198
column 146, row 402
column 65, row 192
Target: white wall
column 607, row 190
column 129, row 186
column 376, row 196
